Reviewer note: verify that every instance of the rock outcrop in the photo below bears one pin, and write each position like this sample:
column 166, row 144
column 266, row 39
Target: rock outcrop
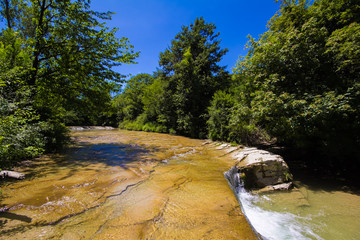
column 259, row 168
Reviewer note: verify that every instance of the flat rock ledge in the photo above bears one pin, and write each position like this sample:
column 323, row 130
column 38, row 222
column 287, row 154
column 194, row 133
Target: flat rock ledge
column 80, row 128
column 259, row 169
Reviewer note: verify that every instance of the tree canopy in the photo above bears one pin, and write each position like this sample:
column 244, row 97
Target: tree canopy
column 299, row 83
column 190, row 69
column 57, row 66
column 72, row 52
column 189, row 74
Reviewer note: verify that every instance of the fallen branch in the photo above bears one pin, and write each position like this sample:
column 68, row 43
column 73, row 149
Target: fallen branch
column 12, row 174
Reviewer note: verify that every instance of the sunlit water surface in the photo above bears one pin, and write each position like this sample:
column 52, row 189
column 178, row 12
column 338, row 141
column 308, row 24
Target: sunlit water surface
column 125, row 185
column 135, row 185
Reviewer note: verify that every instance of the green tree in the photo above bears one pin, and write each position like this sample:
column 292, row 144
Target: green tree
column 73, row 53
column 192, row 75
column 22, row 135
column 220, row 113
column 303, row 78
column 56, row 62
column 129, row 103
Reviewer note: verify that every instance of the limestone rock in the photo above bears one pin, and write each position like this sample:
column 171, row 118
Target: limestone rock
column 12, row 174
column 261, row 168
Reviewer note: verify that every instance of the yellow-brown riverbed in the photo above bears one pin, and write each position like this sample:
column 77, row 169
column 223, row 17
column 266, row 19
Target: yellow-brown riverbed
column 125, row 185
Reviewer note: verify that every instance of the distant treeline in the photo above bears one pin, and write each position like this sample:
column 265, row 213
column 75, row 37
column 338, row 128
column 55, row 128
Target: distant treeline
column 298, row 86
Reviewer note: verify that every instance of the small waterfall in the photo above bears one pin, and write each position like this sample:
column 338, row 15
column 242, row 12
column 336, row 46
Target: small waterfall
column 268, row 225
column 233, row 178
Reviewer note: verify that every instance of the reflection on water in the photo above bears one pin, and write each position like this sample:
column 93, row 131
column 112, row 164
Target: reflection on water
column 125, row 185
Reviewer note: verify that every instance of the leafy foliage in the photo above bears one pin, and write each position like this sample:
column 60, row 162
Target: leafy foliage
column 190, row 66
column 129, row 104
column 188, row 77
column 176, row 101
column 56, row 67
column 299, row 83
column 220, row 114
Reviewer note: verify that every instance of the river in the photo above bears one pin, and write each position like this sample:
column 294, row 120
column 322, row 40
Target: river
column 118, row 184
column 115, row 184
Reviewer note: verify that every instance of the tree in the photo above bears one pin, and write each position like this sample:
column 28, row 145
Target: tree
column 303, row 75
column 11, row 11
column 56, row 62
column 129, row 103
column 22, row 135
column 73, row 54
column 190, row 68
column 220, row 113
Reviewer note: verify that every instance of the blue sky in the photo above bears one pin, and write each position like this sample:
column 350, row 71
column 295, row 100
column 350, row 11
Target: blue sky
column 150, row 25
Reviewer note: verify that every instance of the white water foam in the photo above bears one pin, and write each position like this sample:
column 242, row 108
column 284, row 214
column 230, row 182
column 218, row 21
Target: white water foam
column 275, row 225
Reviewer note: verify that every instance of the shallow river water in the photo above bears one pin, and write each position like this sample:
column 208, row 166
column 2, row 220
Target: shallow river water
column 125, row 185
column 114, row 184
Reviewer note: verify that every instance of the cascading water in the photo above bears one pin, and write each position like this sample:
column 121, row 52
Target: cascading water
column 267, row 224
column 283, row 215
column 275, row 225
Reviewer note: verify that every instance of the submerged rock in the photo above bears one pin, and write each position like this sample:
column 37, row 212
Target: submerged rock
column 278, row 187
column 260, row 168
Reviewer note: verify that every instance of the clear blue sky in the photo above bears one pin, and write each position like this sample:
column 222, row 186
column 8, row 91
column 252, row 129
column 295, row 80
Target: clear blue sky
column 150, row 25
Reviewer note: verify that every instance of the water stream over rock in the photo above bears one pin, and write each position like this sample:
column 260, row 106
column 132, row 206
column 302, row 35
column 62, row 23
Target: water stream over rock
column 114, row 184
column 314, row 209
column 125, row 185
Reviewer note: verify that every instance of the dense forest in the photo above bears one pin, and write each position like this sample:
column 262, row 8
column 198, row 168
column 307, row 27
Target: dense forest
column 297, row 88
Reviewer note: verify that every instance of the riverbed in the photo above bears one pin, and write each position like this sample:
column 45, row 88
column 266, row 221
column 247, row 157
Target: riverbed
column 115, row 184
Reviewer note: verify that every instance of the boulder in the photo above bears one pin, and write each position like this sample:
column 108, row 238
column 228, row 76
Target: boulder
column 260, row 168
column 12, row 174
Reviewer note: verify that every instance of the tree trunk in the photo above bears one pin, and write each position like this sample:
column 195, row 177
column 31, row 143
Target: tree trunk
column 7, row 13
column 38, row 38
